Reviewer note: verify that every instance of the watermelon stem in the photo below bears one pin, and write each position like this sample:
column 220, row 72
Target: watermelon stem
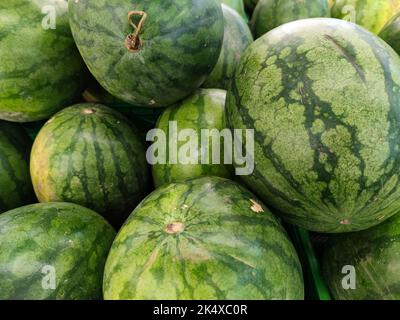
column 132, row 41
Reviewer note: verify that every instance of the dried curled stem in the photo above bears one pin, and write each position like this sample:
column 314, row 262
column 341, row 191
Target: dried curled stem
column 132, row 41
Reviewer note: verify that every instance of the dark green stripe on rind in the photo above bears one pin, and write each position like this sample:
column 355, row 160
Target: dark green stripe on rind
column 374, row 254
column 270, row 14
column 15, row 182
column 41, row 70
column 237, row 37
column 91, row 155
column 323, row 101
column 181, row 44
column 72, row 240
column 231, row 247
column 204, row 110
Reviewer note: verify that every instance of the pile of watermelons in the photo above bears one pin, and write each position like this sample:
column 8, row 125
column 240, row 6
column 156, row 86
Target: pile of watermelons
column 307, row 124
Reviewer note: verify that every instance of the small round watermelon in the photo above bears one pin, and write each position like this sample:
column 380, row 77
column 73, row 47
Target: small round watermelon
column 53, row 251
column 146, row 52
column 15, row 180
column 41, row 70
column 91, row 155
column 207, row 238
column 270, row 14
column 391, row 33
column 365, row 265
column 323, row 98
column 237, row 37
column 371, row 14
column 202, row 111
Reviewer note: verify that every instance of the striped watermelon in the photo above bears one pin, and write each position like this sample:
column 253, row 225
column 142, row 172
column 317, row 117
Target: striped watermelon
column 323, row 96
column 90, row 155
column 371, row 14
column 237, row 37
column 270, row 14
column 203, row 110
column 53, row 251
column 41, row 70
column 237, row 5
column 174, row 48
column 15, row 181
column 374, row 257
column 391, row 33
column 207, row 238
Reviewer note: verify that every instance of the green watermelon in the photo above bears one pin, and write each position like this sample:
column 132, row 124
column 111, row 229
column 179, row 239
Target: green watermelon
column 391, row 33
column 15, row 181
column 323, row 96
column 91, row 155
column 371, row 14
column 53, row 251
column 373, row 255
column 237, row 5
column 270, row 14
column 146, row 52
column 207, row 238
column 237, row 37
column 41, row 70
column 202, row 110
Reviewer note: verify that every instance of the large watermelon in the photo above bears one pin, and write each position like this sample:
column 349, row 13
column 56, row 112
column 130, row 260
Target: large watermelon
column 41, row 70
column 90, row 155
column 53, row 251
column 270, row 14
column 207, row 238
column 146, row 52
column 371, row 14
column 237, row 37
column 391, row 33
column 237, row 5
column 371, row 259
column 323, row 96
column 203, row 110
column 15, row 181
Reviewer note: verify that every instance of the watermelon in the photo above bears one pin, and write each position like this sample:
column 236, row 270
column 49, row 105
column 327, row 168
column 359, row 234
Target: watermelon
column 53, row 251
column 15, row 181
column 41, row 70
column 91, row 155
column 372, row 257
column 371, row 14
column 206, row 238
column 391, row 33
column 202, row 110
column 270, row 14
column 323, row 98
column 237, row 5
column 237, row 37
column 146, row 52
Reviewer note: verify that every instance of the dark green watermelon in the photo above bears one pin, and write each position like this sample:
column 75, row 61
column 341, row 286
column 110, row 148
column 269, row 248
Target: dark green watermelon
column 91, row 155
column 203, row 110
column 270, row 14
column 323, row 96
column 41, row 70
column 371, row 14
column 391, row 33
column 15, row 181
column 53, row 251
column 206, row 238
column 237, row 37
column 170, row 55
column 374, row 258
